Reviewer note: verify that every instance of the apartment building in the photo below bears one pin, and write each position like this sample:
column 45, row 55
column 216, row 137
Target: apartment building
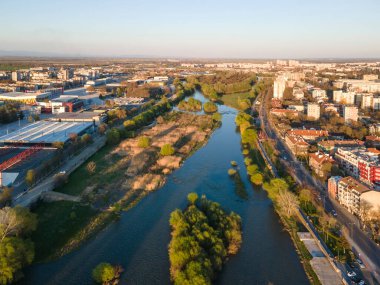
column 331, row 146
column 313, row 111
column 296, row 144
column 279, row 88
column 361, row 163
column 350, row 113
column 318, row 160
column 350, row 191
column 319, row 93
column 308, row 135
column 332, row 186
column 298, row 93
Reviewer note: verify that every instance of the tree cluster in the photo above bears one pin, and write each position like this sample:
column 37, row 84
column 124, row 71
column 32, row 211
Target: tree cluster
column 16, row 250
column 203, row 236
column 192, row 105
column 10, row 112
column 210, row 107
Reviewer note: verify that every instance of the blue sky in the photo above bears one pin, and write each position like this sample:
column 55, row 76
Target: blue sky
column 196, row 28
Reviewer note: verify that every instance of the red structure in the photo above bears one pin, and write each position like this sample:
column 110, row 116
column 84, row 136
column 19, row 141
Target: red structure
column 20, row 157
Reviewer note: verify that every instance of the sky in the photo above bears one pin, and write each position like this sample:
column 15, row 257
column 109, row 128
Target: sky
column 192, row 29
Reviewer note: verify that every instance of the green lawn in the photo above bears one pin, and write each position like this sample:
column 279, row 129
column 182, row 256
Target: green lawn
column 81, row 178
column 58, row 222
column 232, row 99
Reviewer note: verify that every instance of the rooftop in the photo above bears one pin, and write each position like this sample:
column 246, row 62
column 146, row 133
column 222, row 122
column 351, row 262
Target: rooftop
column 45, row 132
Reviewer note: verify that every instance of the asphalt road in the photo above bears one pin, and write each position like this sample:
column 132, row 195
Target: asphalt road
column 368, row 251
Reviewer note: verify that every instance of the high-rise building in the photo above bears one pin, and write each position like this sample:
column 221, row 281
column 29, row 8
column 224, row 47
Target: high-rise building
column 350, row 113
column 16, row 76
column 313, row 111
column 279, row 88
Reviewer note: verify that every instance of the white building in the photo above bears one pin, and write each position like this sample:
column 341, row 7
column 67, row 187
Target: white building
column 350, row 113
column 313, row 111
column 298, row 93
column 279, row 88
column 319, row 94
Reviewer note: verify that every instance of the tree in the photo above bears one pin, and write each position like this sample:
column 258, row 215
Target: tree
column 15, row 253
column 5, row 196
column 113, row 136
column 287, row 202
column 252, row 169
column 305, row 196
column 192, row 198
column 16, row 221
column 129, row 125
column 103, row 273
column 58, row 145
column 86, row 138
column 30, row 178
column 102, row 129
column 90, row 89
column 217, row 117
column 166, row 150
column 143, row 142
column 60, row 179
column 365, row 212
column 91, row 167
column 257, row 179
column 210, row 107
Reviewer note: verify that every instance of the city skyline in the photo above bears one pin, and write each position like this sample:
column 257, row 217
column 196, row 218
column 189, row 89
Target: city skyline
column 243, row 29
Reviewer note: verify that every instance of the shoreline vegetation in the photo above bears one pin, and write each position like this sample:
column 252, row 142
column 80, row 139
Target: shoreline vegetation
column 120, row 174
column 203, row 236
column 279, row 190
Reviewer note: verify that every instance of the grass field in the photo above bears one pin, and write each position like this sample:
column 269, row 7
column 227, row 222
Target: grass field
column 58, row 222
column 232, row 99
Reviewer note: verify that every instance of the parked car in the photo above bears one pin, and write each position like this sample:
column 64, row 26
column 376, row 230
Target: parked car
column 351, row 274
column 361, row 264
column 362, row 282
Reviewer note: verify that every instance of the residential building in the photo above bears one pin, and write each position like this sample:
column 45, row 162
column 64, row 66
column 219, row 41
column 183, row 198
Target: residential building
column 313, row 111
column 319, row 93
column 318, row 162
column 296, row 144
column 308, row 135
column 330, row 146
column 279, row 88
column 350, row 113
column 16, row 76
column 370, row 77
column 332, row 186
column 350, row 191
column 298, row 93
column 361, row 163
column 284, row 113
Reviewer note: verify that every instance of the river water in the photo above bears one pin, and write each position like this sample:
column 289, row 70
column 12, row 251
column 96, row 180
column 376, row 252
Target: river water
column 139, row 240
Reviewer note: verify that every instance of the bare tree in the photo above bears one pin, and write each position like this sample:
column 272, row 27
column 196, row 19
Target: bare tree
column 365, row 212
column 9, row 224
column 287, row 202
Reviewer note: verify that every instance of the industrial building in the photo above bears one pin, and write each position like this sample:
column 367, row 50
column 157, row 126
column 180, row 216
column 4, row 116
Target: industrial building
column 46, row 132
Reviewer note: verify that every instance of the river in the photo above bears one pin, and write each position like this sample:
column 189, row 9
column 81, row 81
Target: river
column 139, row 240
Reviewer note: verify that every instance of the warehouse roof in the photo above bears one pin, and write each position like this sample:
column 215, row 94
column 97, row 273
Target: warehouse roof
column 46, row 132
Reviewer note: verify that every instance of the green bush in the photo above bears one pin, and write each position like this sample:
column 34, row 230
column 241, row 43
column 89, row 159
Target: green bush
column 210, row 107
column 217, row 117
column 167, row 149
column 231, row 171
column 104, row 272
column 143, row 142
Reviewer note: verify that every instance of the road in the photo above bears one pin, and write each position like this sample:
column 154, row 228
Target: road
column 47, row 184
column 368, row 251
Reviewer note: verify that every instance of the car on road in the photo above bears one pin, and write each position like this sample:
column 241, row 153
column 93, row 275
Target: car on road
column 351, row 274
column 333, row 212
column 361, row 282
column 62, row 172
column 361, row 264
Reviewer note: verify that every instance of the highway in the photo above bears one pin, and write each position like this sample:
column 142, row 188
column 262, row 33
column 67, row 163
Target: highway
column 367, row 250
